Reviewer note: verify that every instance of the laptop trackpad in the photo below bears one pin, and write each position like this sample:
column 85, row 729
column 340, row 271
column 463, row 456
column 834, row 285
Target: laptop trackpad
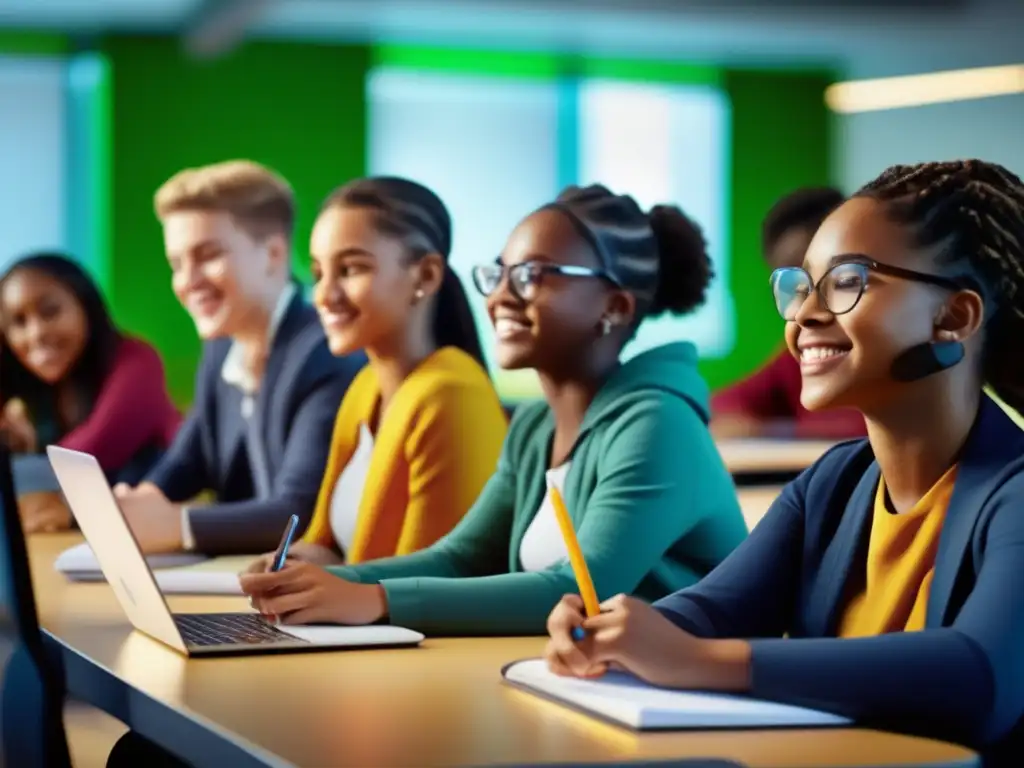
column 354, row 636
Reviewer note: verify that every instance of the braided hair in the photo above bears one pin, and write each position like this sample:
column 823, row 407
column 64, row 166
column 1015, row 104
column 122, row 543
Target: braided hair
column 659, row 255
column 974, row 211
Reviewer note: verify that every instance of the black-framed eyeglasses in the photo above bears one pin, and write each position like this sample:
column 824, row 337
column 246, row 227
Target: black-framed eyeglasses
column 841, row 287
column 525, row 278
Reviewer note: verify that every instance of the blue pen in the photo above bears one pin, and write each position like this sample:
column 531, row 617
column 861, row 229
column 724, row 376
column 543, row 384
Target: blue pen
column 286, row 542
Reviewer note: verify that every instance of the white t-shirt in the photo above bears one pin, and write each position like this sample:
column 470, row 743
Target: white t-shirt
column 348, row 491
column 542, row 544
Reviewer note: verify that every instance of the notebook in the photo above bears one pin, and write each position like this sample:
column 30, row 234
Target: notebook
column 623, row 699
column 175, row 574
column 79, row 563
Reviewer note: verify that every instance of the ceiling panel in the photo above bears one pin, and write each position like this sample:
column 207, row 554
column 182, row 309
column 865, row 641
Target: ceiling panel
column 94, row 14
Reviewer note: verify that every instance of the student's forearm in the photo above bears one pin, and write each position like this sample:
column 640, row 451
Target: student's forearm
column 935, row 681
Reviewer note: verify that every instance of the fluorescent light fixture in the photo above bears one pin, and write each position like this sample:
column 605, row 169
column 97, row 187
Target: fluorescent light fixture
column 918, row 90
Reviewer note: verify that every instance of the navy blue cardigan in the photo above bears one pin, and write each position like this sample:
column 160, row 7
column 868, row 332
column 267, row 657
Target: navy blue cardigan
column 302, row 387
column 962, row 678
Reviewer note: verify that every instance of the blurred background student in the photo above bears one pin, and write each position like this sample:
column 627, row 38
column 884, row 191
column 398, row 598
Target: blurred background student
column 767, row 403
column 267, row 387
column 420, row 429
column 69, row 377
column 626, row 443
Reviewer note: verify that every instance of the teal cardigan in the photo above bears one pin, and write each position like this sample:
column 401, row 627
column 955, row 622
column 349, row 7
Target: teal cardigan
column 653, row 505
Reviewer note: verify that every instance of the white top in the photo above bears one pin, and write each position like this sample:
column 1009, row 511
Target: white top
column 348, row 491
column 543, row 545
column 233, row 370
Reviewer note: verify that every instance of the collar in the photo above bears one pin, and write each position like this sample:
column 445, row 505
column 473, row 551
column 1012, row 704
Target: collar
column 233, row 371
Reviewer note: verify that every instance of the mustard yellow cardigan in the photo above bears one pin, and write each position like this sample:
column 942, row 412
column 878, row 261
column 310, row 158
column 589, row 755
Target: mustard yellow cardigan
column 435, row 448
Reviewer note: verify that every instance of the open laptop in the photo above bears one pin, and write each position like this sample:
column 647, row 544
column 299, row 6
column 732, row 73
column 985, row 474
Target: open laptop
column 31, row 677
column 94, row 506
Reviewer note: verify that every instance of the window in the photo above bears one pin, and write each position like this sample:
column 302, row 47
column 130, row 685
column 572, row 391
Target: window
column 496, row 147
column 32, row 156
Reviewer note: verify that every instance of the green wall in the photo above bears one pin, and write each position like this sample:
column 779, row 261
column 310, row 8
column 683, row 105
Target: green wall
column 298, row 108
column 301, row 108
column 781, row 139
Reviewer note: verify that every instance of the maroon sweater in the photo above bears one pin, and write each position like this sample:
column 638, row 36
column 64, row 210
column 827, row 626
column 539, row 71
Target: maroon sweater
column 132, row 411
column 773, row 393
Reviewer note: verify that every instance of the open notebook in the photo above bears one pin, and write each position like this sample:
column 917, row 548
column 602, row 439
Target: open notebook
column 179, row 573
column 623, row 699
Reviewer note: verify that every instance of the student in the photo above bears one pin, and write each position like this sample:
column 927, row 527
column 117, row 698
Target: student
column 894, row 564
column 767, row 404
column 71, row 378
column 626, row 443
column 420, row 429
column 267, row 385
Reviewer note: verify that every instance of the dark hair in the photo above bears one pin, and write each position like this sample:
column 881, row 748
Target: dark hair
column 976, row 210
column 415, row 215
column 659, row 256
column 102, row 338
column 805, row 208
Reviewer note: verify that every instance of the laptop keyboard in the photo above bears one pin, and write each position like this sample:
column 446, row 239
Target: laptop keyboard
column 201, row 629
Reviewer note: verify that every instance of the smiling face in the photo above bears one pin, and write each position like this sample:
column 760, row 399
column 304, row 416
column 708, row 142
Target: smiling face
column 44, row 324
column 559, row 325
column 846, row 360
column 220, row 273
column 366, row 282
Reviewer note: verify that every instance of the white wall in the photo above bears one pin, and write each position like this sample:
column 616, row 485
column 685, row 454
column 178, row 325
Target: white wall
column 988, row 129
column 32, row 157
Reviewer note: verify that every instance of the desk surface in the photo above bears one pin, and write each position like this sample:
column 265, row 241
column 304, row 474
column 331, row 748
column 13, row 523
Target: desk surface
column 756, row 455
column 438, row 705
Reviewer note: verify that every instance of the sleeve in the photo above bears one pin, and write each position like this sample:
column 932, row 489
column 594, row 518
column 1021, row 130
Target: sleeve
column 183, row 471
column 129, row 411
column 963, row 682
column 752, row 592
column 477, row 546
column 255, row 525
column 452, row 451
column 755, row 396
column 636, row 512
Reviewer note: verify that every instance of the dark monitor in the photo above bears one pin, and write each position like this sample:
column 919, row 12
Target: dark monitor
column 31, row 685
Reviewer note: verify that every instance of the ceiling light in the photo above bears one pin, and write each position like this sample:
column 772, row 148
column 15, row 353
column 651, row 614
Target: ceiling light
column 918, row 90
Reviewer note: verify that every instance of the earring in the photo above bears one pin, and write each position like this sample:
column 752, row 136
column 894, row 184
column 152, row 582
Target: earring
column 606, row 326
column 419, row 294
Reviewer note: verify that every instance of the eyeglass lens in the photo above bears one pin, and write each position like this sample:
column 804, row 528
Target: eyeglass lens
column 840, row 289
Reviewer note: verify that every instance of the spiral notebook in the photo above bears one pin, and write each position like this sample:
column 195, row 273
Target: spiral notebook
column 623, row 699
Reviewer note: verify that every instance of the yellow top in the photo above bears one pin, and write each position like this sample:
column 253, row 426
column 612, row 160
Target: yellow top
column 900, row 566
column 436, row 446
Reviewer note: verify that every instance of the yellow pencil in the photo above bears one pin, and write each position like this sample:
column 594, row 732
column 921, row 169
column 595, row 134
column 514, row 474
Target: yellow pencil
column 579, row 565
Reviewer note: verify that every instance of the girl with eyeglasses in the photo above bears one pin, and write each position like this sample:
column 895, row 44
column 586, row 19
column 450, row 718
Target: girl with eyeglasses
column 626, row 443
column 885, row 583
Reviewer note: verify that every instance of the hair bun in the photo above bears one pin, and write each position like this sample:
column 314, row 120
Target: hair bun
column 685, row 267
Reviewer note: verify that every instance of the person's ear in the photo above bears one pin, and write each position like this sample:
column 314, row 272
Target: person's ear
column 278, row 252
column 620, row 309
column 428, row 275
column 961, row 317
